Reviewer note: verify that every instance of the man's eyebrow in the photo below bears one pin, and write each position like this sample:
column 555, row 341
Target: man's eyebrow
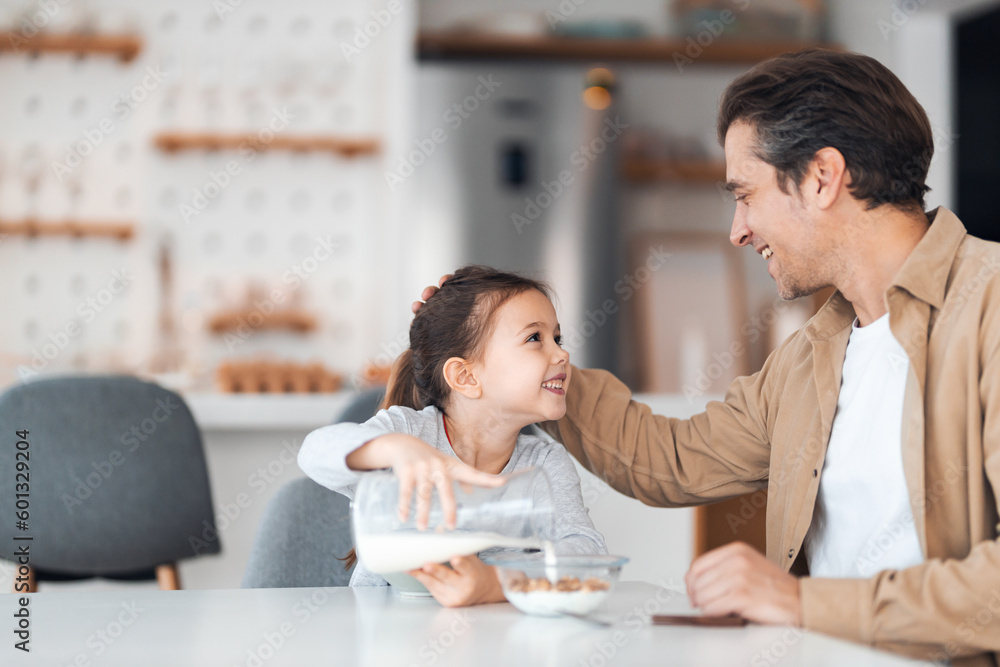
column 733, row 185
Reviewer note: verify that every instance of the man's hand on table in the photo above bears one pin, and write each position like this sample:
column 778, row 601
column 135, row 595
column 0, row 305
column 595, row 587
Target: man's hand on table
column 469, row 581
column 737, row 579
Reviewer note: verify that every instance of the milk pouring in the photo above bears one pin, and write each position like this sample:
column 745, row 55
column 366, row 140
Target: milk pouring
column 516, row 515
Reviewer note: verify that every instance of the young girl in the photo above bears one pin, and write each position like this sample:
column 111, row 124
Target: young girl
column 484, row 361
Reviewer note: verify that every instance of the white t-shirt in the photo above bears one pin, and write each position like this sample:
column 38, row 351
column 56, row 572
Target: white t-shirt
column 863, row 523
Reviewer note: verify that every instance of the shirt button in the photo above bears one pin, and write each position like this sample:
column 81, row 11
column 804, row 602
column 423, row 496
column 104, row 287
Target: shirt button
column 791, row 552
column 815, row 472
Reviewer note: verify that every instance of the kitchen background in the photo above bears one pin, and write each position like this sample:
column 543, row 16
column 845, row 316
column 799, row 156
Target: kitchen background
column 240, row 199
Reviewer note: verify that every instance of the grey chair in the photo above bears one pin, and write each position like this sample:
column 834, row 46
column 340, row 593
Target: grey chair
column 116, row 478
column 307, row 527
column 362, row 407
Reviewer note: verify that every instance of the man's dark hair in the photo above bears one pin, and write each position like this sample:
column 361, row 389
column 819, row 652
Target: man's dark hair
column 799, row 103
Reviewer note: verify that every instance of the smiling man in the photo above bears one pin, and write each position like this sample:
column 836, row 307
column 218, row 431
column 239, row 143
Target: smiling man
column 876, row 427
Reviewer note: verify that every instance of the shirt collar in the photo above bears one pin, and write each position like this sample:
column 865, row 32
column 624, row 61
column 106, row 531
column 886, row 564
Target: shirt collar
column 924, row 274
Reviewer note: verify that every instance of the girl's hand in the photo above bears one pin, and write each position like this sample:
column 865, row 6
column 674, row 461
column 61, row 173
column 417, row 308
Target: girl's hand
column 470, row 582
column 419, row 467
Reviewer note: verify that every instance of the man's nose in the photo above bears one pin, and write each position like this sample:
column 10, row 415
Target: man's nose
column 740, row 234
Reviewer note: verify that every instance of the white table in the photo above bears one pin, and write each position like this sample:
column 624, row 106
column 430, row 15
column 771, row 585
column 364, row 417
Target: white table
column 374, row 626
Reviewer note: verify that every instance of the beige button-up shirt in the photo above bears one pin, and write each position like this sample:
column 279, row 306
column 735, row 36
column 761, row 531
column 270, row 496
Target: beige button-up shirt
column 772, row 430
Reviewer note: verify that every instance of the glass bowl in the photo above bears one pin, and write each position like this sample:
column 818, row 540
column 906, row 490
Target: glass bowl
column 575, row 584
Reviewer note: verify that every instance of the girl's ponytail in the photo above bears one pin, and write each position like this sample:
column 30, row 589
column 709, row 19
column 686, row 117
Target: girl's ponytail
column 402, row 387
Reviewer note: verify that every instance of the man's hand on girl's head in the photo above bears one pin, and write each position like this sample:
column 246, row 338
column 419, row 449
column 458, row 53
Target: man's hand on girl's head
column 428, row 292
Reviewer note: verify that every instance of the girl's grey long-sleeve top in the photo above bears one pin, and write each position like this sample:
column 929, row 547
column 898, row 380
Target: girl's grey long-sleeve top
column 323, row 457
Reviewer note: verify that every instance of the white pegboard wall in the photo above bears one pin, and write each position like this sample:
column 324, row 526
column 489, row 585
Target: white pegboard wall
column 76, row 140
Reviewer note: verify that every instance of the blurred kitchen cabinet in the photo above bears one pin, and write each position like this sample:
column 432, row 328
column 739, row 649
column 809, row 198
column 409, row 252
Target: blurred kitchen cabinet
column 690, row 308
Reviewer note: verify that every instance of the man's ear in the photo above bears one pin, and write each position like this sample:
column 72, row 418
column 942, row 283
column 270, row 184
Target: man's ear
column 826, row 177
column 461, row 377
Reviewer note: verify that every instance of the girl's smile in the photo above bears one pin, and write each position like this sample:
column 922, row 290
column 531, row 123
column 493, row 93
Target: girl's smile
column 555, row 385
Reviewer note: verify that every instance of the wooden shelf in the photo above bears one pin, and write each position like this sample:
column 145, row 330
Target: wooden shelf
column 472, row 46
column 32, row 227
column 291, row 319
column 172, row 142
column 706, row 172
column 275, row 377
column 125, row 47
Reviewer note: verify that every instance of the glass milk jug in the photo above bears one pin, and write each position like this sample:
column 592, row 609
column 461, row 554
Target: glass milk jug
column 518, row 514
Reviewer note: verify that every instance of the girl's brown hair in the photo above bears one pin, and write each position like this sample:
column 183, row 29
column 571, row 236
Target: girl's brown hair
column 455, row 322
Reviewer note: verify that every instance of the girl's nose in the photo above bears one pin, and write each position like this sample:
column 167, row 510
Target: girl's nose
column 562, row 356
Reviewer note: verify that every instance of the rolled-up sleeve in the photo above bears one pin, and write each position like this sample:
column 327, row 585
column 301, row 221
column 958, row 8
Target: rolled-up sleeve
column 323, row 455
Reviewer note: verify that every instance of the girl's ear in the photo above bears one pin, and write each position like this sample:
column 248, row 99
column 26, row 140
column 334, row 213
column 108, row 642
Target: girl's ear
column 460, row 376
